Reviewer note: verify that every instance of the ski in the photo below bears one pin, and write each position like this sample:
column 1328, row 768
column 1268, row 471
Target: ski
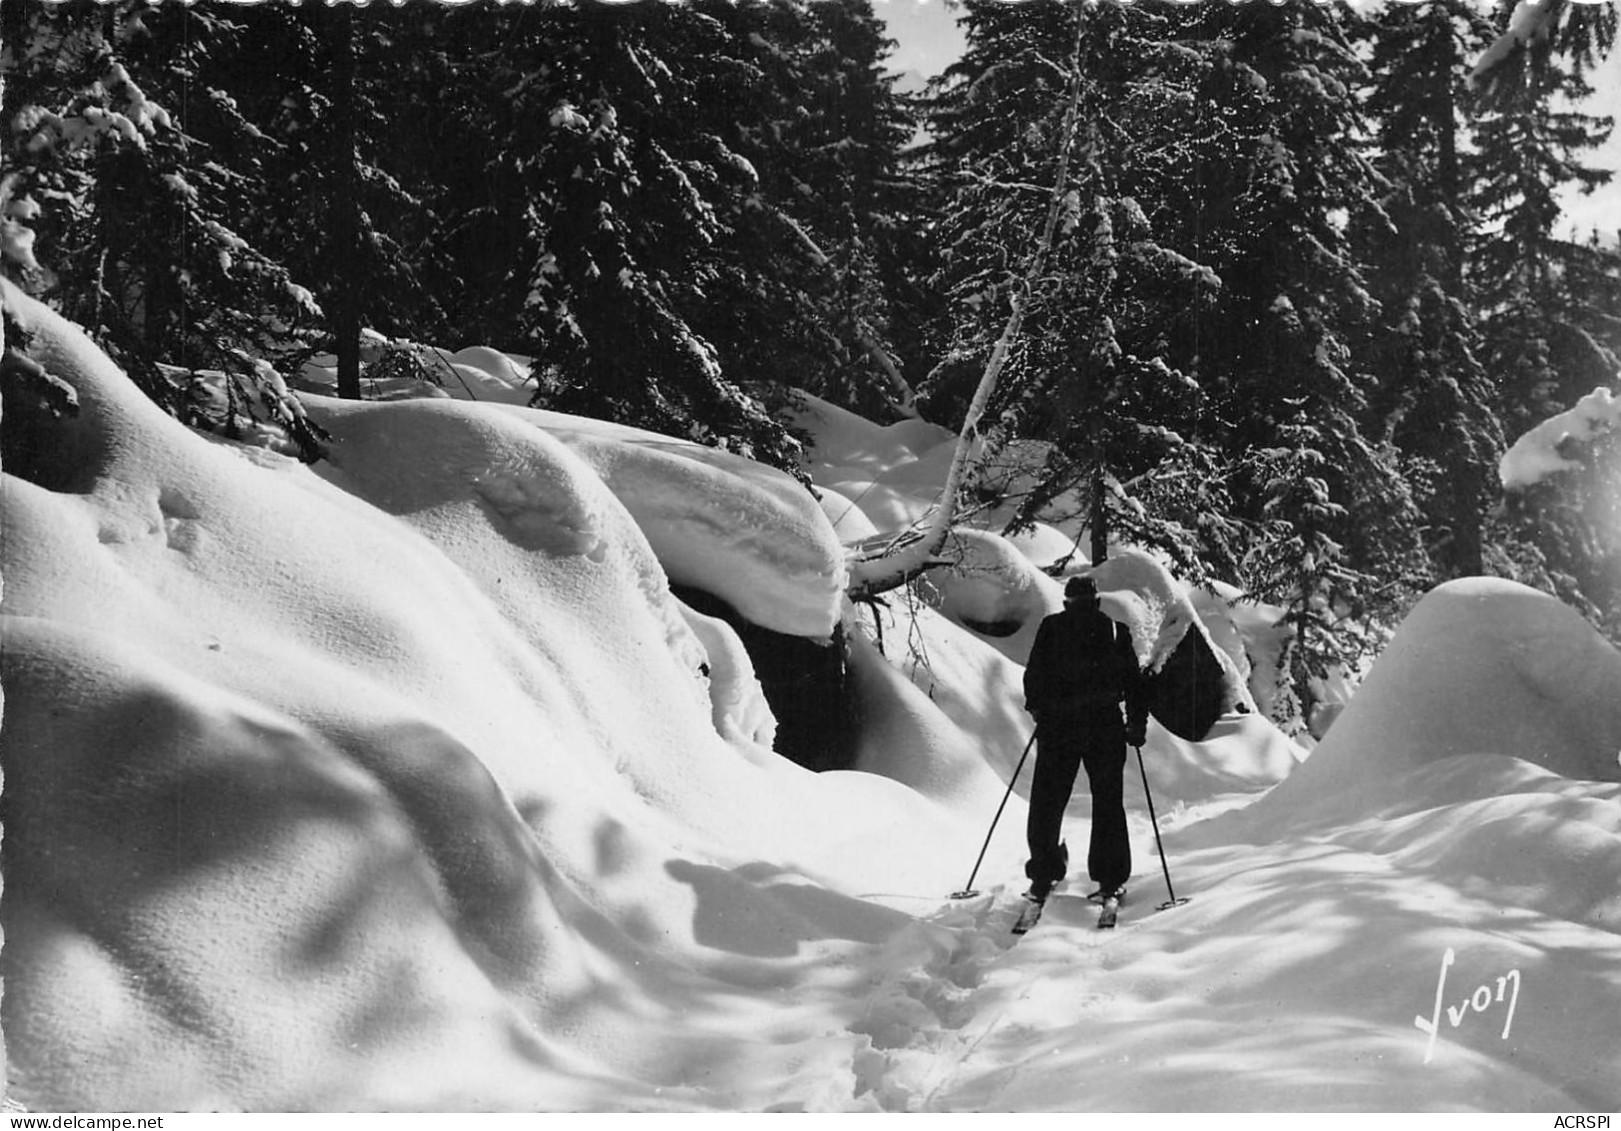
column 1108, row 909
column 1109, row 913
column 1030, row 913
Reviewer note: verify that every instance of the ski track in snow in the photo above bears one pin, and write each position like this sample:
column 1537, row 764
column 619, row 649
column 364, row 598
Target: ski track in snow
column 925, row 1021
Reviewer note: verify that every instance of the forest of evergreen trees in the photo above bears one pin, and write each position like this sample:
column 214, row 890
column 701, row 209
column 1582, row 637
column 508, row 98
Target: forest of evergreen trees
column 1307, row 274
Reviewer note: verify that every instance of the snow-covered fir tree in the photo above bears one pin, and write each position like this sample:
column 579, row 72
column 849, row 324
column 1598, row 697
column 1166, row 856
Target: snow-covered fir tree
column 1095, row 371
column 1284, row 169
column 1432, row 396
column 344, row 189
column 816, row 240
column 698, row 223
column 1536, row 310
column 1531, row 144
column 134, row 221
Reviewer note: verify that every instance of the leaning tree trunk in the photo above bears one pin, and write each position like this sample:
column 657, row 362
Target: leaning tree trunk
column 893, row 569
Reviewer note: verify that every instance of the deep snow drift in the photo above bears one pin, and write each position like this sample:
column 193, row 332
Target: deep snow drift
column 403, row 781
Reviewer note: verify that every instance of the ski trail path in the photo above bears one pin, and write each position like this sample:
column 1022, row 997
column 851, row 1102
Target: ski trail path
column 926, row 1020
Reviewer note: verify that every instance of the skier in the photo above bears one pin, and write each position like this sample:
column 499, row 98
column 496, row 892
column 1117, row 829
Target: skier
column 1082, row 665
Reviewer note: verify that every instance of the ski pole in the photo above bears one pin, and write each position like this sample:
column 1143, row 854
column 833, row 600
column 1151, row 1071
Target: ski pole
column 1173, row 901
column 968, row 891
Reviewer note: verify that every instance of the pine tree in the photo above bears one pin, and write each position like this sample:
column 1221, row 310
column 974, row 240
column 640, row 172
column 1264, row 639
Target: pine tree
column 1530, row 146
column 1094, row 372
column 134, row 232
column 343, row 186
column 815, row 242
column 1433, row 400
column 1544, row 342
column 1591, row 278
column 1284, row 170
column 606, row 117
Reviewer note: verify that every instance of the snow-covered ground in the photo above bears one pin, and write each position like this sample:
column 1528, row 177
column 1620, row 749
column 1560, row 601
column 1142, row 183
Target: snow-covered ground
column 402, row 781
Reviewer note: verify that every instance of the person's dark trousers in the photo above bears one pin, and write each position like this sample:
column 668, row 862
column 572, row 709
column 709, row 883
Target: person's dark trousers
column 1062, row 746
column 1058, row 760
column 1108, row 858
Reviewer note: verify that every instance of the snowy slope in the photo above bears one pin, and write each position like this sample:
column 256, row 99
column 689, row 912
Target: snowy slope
column 402, row 781
column 240, row 692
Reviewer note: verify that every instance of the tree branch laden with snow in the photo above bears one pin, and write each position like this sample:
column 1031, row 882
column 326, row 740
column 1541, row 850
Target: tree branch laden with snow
column 1542, row 452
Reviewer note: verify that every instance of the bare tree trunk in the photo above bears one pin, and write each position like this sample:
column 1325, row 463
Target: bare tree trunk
column 1468, row 542
column 345, row 299
column 1098, row 521
column 1468, row 553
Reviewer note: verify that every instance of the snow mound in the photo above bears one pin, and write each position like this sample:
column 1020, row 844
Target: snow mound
column 914, row 739
column 883, row 476
column 747, row 533
column 402, row 780
column 1242, row 754
column 1046, row 546
column 850, row 523
column 993, row 589
column 1500, row 827
column 738, row 705
column 318, row 885
column 1480, row 666
column 497, row 369
column 884, row 479
column 476, row 373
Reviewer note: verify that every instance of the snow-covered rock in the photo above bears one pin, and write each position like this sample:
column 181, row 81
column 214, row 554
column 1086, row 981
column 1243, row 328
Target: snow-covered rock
column 993, row 589
column 749, row 534
column 1139, row 591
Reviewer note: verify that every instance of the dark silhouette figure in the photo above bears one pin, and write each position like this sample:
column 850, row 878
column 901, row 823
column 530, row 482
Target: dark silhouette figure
column 1082, row 667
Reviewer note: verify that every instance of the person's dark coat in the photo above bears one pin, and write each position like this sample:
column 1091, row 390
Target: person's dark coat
column 1082, row 664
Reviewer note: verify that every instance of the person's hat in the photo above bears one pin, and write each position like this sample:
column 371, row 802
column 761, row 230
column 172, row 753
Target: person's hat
column 1080, row 589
